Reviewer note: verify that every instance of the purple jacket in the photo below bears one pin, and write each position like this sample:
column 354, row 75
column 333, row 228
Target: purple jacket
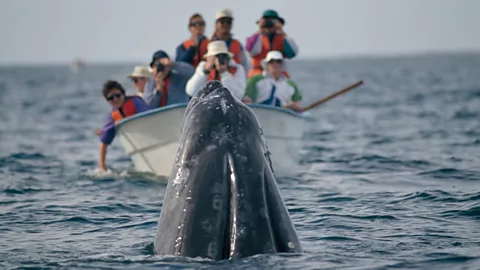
column 108, row 131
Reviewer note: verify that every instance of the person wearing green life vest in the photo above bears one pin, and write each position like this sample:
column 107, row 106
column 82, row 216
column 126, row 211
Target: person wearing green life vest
column 272, row 87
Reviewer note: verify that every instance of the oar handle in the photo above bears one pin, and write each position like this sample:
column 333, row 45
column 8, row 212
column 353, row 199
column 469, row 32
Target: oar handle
column 323, row 100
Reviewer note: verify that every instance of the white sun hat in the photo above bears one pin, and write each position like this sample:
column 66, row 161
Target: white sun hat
column 224, row 13
column 140, row 72
column 217, row 47
column 273, row 55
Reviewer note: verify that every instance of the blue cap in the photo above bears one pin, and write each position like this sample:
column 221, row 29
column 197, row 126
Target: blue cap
column 158, row 55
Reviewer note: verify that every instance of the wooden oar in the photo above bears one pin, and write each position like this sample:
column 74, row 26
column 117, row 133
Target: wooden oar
column 323, row 100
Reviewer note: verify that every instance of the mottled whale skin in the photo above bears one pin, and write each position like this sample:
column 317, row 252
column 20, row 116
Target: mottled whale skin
column 222, row 200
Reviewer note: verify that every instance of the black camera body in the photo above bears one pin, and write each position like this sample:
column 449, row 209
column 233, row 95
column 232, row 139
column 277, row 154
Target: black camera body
column 160, row 67
column 269, row 23
column 223, row 58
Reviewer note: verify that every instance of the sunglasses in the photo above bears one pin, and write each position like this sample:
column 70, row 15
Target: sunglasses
column 193, row 24
column 112, row 97
column 225, row 21
column 136, row 80
column 275, row 61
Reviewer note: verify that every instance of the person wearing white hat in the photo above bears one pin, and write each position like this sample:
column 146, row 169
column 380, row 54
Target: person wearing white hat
column 218, row 65
column 272, row 87
column 139, row 77
column 223, row 28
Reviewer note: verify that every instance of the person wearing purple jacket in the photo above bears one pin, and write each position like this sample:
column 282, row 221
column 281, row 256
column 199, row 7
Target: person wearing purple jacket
column 270, row 37
column 122, row 106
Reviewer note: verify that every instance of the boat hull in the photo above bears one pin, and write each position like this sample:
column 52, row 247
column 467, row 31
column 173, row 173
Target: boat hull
column 151, row 138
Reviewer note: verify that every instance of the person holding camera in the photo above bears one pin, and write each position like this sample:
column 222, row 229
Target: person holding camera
column 270, row 37
column 272, row 87
column 223, row 31
column 167, row 86
column 218, row 65
column 192, row 50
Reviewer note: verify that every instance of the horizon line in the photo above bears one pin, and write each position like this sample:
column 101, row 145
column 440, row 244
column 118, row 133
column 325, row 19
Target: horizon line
column 345, row 56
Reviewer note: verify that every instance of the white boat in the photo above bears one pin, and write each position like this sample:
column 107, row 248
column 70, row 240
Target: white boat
column 151, row 138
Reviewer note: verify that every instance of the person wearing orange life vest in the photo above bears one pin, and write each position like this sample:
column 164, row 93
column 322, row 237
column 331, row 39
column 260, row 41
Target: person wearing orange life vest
column 270, row 37
column 219, row 66
column 223, row 28
column 122, row 106
column 192, row 50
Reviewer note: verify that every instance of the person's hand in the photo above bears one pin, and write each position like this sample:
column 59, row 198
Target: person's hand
column 159, row 82
column 210, row 62
column 165, row 61
column 294, row 106
column 194, row 38
column 247, row 100
column 221, row 68
column 278, row 26
column 260, row 23
column 98, row 132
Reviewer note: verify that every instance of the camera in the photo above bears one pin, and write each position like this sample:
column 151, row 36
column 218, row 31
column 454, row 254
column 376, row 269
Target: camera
column 160, row 67
column 269, row 23
column 223, row 58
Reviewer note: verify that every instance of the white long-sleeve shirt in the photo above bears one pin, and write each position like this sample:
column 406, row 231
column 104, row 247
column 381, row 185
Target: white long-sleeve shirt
column 234, row 82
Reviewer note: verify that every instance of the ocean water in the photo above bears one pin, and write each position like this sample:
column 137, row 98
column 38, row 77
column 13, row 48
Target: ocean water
column 389, row 178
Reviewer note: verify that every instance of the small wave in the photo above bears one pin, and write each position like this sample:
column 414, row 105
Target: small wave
column 452, row 173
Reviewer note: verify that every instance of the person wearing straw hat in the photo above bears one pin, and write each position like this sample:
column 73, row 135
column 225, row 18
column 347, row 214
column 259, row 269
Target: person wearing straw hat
column 218, row 65
column 223, row 31
column 270, row 37
column 272, row 87
column 139, row 78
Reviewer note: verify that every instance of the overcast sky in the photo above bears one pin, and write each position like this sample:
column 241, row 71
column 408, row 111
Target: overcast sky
column 52, row 31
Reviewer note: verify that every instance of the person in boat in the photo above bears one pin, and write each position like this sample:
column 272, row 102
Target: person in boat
column 139, row 78
column 270, row 37
column 272, row 87
column 218, row 65
column 122, row 106
column 167, row 85
column 192, row 50
column 223, row 28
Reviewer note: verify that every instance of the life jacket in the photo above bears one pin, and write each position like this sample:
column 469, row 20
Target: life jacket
column 201, row 50
column 276, row 45
column 235, row 48
column 213, row 75
column 128, row 109
column 163, row 98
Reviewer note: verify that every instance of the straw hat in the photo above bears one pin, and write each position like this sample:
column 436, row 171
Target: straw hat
column 140, row 72
column 217, row 47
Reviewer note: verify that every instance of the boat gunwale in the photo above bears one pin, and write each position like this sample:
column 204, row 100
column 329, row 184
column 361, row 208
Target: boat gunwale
column 178, row 105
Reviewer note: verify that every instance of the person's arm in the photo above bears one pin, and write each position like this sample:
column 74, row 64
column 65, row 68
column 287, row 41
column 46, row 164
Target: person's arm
column 290, row 47
column 253, row 45
column 245, row 60
column 236, row 82
column 251, row 89
column 183, row 69
column 106, row 137
column 102, row 156
column 183, row 55
column 197, row 80
column 150, row 94
column 296, row 97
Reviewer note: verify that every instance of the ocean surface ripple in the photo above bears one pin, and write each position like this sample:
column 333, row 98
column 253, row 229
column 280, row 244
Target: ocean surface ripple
column 389, row 175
